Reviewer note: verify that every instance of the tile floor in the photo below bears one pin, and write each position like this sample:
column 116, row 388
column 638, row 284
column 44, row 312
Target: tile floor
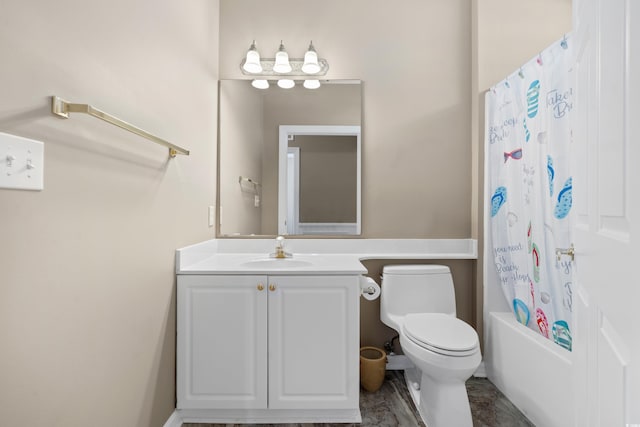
column 391, row 406
column 491, row 408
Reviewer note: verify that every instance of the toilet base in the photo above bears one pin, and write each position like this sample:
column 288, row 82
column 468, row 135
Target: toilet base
column 439, row 404
column 412, row 379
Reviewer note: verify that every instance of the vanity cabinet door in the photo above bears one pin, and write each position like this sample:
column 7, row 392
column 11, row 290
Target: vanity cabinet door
column 222, row 342
column 313, row 342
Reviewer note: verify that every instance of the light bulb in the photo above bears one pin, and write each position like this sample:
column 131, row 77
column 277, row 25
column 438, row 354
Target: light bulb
column 311, row 84
column 311, row 65
column 252, row 61
column 260, row 84
column 286, row 83
column 282, row 61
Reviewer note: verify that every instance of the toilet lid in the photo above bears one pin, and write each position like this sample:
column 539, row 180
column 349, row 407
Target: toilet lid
column 441, row 333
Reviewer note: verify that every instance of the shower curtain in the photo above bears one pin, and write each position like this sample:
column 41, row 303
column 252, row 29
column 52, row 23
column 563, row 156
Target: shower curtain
column 528, row 140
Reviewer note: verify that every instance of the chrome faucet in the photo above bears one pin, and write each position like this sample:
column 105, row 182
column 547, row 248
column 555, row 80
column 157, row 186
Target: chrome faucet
column 280, row 252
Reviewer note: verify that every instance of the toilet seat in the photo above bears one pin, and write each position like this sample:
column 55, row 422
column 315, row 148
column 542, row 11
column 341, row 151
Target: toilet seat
column 441, row 333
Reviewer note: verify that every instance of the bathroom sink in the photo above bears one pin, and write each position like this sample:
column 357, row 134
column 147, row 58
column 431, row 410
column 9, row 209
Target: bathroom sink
column 276, row 263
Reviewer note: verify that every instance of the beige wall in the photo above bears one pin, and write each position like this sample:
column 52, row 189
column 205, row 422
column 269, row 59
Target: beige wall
column 87, row 289
column 415, row 61
column 338, row 104
column 87, row 295
column 374, row 332
column 328, row 177
column 511, row 33
column 423, row 66
column 241, row 126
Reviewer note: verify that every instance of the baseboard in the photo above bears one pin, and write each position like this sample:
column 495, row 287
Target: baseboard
column 269, row 416
column 481, row 371
column 175, row 420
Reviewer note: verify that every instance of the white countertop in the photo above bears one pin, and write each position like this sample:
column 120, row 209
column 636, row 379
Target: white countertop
column 312, row 256
column 260, row 263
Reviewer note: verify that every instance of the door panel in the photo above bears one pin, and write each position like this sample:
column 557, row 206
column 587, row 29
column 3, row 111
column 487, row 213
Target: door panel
column 313, row 342
column 222, row 341
column 606, row 132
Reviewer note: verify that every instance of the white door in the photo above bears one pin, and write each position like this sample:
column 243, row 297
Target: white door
column 222, row 342
column 314, row 342
column 606, row 210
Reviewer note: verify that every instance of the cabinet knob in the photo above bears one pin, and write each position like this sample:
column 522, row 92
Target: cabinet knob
column 260, row 286
column 272, row 287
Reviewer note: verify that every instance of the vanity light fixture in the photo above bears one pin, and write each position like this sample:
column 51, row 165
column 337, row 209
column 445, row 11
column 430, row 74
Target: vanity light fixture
column 286, row 83
column 311, row 84
column 282, row 66
column 260, row 84
column 310, row 65
column 252, row 61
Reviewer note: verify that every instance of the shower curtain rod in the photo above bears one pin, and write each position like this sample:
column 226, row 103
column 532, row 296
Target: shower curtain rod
column 62, row 108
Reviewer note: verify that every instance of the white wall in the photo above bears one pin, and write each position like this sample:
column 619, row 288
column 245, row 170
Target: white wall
column 87, row 287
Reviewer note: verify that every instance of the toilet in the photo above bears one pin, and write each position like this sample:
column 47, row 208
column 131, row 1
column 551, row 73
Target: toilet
column 418, row 301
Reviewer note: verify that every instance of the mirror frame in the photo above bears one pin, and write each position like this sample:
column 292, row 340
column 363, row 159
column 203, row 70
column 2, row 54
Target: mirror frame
column 328, row 130
column 218, row 208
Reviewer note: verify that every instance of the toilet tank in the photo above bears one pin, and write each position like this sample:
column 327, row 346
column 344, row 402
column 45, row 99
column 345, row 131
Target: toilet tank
column 416, row 289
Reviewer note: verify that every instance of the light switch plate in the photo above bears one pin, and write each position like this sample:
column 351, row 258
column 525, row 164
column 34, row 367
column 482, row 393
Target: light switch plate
column 21, row 163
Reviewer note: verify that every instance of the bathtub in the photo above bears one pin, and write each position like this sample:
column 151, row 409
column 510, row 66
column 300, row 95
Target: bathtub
column 533, row 372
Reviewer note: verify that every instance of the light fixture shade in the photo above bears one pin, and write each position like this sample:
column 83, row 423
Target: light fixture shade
column 286, row 83
column 311, row 65
column 311, row 84
column 260, row 84
column 282, row 61
column 252, row 61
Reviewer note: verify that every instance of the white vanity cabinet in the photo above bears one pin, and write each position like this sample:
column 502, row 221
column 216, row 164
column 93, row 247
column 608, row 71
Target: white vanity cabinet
column 268, row 348
column 221, row 342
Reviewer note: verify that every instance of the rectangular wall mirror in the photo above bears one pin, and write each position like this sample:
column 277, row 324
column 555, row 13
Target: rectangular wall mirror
column 289, row 160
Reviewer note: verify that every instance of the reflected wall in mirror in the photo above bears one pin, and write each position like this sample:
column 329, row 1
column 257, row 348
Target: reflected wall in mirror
column 319, row 180
column 249, row 158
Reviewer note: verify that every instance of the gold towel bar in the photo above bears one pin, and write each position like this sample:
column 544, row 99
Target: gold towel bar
column 62, row 108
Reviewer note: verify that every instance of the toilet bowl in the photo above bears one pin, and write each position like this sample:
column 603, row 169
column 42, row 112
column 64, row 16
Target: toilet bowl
column 419, row 303
column 441, row 395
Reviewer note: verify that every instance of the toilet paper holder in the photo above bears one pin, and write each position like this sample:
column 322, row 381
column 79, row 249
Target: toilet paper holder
column 369, row 289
